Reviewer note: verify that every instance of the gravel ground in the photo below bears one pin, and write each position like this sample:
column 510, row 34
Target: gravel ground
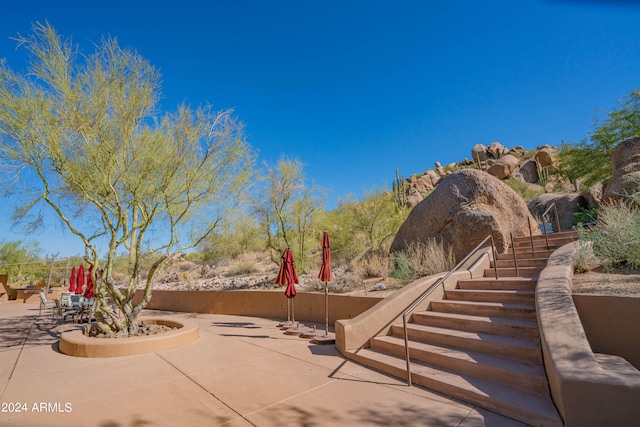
column 622, row 282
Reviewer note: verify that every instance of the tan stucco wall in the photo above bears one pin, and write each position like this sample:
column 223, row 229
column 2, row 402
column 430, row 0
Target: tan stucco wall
column 612, row 325
column 308, row 306
column 76, row 343
column 586, row 392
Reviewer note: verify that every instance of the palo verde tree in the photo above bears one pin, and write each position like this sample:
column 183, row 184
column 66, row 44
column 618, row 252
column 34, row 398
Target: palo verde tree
column 15, row 258
column 365, row 224
column 288, row 210
column 591, row 161
column 85, row 135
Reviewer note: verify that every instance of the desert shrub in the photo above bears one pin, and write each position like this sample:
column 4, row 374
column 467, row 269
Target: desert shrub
column 402, row 268
column 240, row 235
column 523, row 189
column 242, row 265
column 372, row 264
column 362, row 226
column 586, row 215
column 585, row 259
column 21, row 262
column 616, row 236
column 184, row 266
column 423, row 259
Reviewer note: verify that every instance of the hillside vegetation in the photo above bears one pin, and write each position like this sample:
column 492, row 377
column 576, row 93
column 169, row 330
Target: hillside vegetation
column 286, row 212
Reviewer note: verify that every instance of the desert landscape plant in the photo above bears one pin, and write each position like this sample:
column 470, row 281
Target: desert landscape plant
column 21, row 261
column 525, row 190
column 589, row 161
column 239, row 235
column 616, row 236
column 288, row 211
column 83, row 135
column 423, row 259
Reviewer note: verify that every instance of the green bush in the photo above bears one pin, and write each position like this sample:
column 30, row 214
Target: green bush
column 402, row 270
column 616, row 236
column 587, row 215
column 523, row 189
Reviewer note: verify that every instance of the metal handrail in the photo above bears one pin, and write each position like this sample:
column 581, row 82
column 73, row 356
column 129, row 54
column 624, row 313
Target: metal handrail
column 546, row 237
column 428, row 292
column 513, row 242
column 544, row 227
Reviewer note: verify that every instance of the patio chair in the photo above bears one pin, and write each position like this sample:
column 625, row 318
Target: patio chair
column 44, row 303
column 61, row 310
column 65, row 298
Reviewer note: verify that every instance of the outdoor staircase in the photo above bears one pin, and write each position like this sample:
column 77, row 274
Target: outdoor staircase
column 481, row 344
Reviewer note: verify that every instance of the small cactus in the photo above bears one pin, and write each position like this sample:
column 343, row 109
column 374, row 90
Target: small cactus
column 399, row 190
column 543, row 176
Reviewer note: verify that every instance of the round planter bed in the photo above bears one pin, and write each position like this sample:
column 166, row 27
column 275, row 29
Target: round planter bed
column 76, row 343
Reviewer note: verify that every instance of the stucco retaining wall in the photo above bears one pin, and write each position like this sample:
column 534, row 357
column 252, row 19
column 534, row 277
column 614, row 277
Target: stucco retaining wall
column 588, row 390
column 308, row 306
column 612, row 325
column 76, row 343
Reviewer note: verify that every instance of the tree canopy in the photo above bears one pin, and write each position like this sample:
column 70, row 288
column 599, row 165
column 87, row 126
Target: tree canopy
column 591, row 161
column 86, row 136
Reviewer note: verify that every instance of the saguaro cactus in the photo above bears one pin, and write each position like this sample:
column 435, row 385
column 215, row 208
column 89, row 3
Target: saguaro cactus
column 400, row 191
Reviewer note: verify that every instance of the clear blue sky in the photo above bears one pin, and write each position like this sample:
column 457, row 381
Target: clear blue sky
column 355, row 89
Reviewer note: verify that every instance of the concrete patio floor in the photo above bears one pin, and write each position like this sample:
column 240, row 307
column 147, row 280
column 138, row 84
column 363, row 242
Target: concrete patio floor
column 242, row 371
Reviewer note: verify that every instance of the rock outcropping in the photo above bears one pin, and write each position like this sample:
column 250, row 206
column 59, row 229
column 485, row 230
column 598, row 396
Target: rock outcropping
column 495, row 159
column 463, row 209
column 625, row 164
column 567, row 206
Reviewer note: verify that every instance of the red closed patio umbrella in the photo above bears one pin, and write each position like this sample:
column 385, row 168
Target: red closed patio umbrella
column 289, row 277
column 88, row 292
column 72, row 280
column 80, row 280
column 326, row 276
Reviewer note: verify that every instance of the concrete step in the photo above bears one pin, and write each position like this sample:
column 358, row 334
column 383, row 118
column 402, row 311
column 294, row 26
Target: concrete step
column 517, row 328
column 537, row 248
column 560, row 235
column 490, row 283
column 511, row 272
column 530, row 408
column 502, row 296
column 539, row 241
column 565, row 235
column 542, row 253
column 526, row 262
column 526, row 350
column 523, row 376
column 487, row 309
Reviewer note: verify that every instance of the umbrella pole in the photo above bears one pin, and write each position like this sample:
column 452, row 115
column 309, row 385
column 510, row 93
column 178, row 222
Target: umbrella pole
column 288, row 309
column 293, row 313
column 326, row 310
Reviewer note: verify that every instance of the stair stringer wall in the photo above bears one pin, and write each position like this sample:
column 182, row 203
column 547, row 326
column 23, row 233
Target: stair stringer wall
column 584, row 391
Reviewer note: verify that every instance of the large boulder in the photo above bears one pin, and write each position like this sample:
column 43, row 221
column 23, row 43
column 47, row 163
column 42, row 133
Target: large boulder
column 567, row 206
column 479, row 153
column 432, row 177
column 517, row 151
column 496, row 150
column 625, row 175
column 503, row 167
column 546, row 157
column 529, row 171
column 464, row 208
column 413, row 197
